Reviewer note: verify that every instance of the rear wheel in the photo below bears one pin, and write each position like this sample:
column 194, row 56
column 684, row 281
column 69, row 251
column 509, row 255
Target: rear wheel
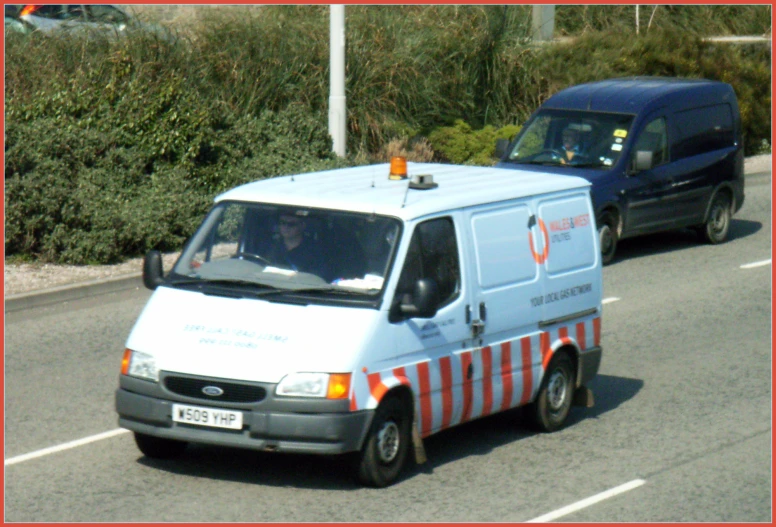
column 607, row 236
column 551, row 407
column 718, row 224
column 159, row 447
column 385, row 451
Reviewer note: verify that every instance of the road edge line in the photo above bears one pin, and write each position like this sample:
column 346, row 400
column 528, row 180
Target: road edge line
column 70, row 293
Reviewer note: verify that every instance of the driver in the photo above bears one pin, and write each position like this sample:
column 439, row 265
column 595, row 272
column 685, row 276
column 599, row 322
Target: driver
column 295, row 249
column 571, row 145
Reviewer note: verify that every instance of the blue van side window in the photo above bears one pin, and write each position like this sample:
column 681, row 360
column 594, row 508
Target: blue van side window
column 654, row 139
column 703, row 130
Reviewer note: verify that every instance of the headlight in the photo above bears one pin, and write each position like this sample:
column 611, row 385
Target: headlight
column 139, row 364
column 304, row 385
column 329, row 385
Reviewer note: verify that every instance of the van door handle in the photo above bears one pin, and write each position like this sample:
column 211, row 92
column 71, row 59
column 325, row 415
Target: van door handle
column 478, row 328
column 483, row 312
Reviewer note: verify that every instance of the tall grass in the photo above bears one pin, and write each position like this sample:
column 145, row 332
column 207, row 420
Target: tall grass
column 410, row 69
column 697, row 20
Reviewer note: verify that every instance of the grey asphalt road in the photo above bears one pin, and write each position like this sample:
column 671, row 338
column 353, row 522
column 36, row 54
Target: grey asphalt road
column 683, row 404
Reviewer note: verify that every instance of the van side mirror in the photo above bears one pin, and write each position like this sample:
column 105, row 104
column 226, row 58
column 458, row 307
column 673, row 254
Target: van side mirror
column 425, row 299
column 501, row 147
column 153, row 274
column 643, row 160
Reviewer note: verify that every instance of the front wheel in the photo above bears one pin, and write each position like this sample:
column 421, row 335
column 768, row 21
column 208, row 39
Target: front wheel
column 607, row 236
column 159, row 447
column 551, row 407
column 718, row 224
column 385, row 450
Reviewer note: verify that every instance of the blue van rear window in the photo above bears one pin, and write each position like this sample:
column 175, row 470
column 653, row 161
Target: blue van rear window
column 703, row 130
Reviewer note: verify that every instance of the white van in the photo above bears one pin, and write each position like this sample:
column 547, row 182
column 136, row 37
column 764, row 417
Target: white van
column 361, row 310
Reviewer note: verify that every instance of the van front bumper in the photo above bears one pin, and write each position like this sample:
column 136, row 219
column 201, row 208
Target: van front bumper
column 300, row 429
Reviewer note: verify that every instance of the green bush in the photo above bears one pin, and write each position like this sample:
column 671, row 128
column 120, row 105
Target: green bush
column 88, row 197
column 460, row 144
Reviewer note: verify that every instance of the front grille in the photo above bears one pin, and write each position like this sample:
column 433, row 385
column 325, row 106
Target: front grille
column 233, row 392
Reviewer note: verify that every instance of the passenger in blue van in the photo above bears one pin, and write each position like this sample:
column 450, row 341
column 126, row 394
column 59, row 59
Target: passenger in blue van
column 296, row 249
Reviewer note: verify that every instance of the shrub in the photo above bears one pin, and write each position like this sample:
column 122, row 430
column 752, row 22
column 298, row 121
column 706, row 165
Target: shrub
column 460, row 144
column 87, row 197
column 418, row 150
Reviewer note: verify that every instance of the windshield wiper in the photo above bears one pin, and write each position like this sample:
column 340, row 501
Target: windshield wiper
column 266, row 289
column 316, row 289
column 545, row 163
column 203, row 282
column 588, row 165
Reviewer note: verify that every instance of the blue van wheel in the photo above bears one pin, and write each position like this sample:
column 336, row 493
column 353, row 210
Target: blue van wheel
column 718, row 223
column 607, row 237
column 386, row 447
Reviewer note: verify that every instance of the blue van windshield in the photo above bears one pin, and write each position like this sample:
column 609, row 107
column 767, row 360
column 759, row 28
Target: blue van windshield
column 572, row 138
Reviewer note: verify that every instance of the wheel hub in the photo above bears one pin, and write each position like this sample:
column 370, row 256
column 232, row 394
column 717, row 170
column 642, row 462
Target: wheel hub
column 556, row 391
column 388, row 442
column 717, row 219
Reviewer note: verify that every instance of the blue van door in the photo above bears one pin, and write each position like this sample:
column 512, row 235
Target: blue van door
column 647, row 192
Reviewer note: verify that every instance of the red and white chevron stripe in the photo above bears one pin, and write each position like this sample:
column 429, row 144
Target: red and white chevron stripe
column 474, row 383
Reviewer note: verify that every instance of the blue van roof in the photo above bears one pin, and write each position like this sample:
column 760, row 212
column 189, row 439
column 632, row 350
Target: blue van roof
column 633, row 94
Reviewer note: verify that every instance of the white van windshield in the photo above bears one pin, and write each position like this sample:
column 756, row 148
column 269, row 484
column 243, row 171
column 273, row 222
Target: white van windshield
column 573, row 139
column 292, row 249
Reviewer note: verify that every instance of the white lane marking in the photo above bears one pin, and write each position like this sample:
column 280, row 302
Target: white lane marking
column 65, row 446
column 587, row 502
column 756, row 264
column 609, row 300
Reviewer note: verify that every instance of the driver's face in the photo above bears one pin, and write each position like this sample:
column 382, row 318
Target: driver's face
column 570, row 139
column 291, row 226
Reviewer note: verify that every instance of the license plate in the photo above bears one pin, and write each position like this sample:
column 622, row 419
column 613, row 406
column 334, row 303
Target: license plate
column 198, row 415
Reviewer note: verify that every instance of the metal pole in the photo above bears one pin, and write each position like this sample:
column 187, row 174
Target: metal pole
column 543, row 22
column 637, row 19
column 337, row 113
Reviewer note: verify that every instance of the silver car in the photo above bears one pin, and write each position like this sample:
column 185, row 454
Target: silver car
column 107, row 19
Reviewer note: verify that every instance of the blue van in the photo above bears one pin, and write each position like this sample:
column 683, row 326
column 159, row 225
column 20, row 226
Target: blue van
column 661, row 153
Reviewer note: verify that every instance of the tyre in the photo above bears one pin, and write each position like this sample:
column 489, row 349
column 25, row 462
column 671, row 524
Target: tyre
column 385, row 450
column 607, row 237
column 718, row 223
column 158, row 447
column 553, row 403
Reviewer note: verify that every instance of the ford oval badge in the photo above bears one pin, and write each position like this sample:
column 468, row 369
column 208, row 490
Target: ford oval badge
column 213, row 391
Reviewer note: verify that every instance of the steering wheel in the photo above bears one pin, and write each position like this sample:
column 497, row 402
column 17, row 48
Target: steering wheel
column 553, row 153
column 255, row 258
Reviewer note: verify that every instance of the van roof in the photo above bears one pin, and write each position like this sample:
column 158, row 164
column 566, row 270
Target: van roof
column 368, row 189
column 633, row 94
